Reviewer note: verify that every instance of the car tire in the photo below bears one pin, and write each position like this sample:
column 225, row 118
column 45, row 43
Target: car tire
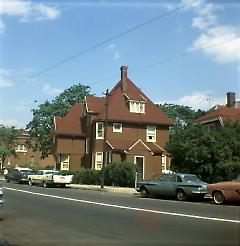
column 30, row 182
column 7, row 180
column 181, row 195
column 218, row 197
column 45, row 184
column 144, row 192
column 63, row 185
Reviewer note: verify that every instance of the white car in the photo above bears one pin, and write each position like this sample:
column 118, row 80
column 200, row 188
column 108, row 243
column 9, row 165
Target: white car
column 1, row 197
column 49, row 177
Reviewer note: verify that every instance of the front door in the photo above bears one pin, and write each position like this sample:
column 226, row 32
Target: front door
column 139, row 161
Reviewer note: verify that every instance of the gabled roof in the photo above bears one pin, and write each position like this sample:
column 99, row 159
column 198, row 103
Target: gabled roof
column 125, row 146
column 71, row 123
column 118, row 109
column 222, row 114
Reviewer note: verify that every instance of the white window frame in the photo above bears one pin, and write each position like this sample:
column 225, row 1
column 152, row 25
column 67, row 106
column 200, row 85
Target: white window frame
column 137, row 107
column 164, row 162
column 152, row 134
column 98, row 163
column 118, row 129
column 135, row 162
column 98, row 130
column 21, row 148
column 64, row 164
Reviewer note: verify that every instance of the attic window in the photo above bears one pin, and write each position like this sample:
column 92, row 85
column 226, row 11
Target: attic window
column 137, row 107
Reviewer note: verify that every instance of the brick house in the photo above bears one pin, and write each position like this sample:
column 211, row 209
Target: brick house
column 137, row 131
column 220, row 114
column 27, row 156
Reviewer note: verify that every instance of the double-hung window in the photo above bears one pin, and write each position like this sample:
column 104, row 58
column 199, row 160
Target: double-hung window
column 98, row 160
column 99, row 130
column 64, row 160
column 151, row 133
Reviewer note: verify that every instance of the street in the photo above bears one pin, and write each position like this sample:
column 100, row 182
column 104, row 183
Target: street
column 55, row 216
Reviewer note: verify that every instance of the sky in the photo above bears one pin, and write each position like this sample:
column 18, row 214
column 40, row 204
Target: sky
column 182, row 51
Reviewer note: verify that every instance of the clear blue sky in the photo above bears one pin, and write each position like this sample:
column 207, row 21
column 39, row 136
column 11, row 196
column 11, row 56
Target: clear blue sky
column 35, row 35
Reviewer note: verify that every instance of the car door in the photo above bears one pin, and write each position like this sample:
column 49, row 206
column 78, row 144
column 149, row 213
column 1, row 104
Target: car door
column 158, row 186
column 169, row 185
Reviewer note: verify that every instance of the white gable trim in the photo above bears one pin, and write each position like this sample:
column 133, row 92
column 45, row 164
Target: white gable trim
column 140, row 141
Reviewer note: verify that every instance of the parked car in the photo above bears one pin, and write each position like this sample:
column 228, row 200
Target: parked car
column 18, row 174
column 225, row 191
column 179, row 185
column 49, row 177
column 1, row 196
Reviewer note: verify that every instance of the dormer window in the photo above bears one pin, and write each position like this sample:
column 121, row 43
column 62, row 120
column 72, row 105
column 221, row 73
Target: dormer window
column 137, row 107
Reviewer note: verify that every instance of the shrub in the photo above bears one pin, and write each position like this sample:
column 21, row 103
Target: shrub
column 120, row 174
column 226, row 171
column 87, row 176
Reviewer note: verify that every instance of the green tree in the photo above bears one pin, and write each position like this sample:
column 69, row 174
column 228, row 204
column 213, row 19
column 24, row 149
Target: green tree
column 8, row 141
column 41, row 126
column 181, row 115
column 196, row 150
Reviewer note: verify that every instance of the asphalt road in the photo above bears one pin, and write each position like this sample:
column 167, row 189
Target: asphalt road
column 54, row 216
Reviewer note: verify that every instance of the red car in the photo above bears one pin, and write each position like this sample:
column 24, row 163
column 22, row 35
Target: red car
column 225, row 191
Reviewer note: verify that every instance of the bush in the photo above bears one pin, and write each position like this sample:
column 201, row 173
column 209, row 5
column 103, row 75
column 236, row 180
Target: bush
column 87, row 176
column 120, row 174
column 226, row 171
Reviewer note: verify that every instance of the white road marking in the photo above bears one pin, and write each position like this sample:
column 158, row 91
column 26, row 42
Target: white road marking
column 126, row 207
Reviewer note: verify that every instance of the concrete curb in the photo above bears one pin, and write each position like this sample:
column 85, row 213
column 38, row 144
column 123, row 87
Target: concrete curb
column 113, row 189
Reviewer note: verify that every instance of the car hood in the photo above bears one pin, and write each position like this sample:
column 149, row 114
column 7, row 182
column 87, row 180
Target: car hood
column 227, row 184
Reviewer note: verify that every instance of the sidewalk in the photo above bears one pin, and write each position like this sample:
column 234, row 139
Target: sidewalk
column 123, row 190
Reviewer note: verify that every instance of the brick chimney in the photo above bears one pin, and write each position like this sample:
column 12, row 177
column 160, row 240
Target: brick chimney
column 231, row 99
column 124, row 78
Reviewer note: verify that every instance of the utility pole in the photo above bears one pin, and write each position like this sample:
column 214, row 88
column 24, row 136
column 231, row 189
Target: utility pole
column 105, row 139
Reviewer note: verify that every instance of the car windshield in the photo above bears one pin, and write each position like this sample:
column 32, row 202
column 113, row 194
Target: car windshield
column 191, row 178
column 237, row 178
column 53, row 172
column 25, row 171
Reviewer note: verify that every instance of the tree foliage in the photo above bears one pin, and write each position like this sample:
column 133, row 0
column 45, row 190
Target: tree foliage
column 8, row 141
column 196, row 150
column 181, row 115
column 40, row 127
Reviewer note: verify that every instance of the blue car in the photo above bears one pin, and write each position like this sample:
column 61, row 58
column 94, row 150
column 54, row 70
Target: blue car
column 180, row 185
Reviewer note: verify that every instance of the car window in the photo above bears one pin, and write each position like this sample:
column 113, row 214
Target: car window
column 237, row 178
column 26, row 171
column 191, row 178
column 163, row 177
column 179, row 179
column 39, row 172
column 172, row 178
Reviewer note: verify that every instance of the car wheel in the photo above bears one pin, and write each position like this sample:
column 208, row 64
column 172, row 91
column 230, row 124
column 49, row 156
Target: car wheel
column 218, row 197
column 30, row 182
column 45, row 185
column 144, row 192
column 181, row 195
column 7, row 180
column 63, row 185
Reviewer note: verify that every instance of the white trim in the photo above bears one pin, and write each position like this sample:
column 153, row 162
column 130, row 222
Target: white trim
column 143, row 158
column 159, row 147
column 147, row 134
column 117, row 130
column 139, row 140
column 95, row 162
column 64, row 162
column 109, row 144
column 98, row 123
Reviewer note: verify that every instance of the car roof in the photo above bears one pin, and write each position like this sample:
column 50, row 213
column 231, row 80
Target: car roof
column 48, row 170
column 23, row 169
